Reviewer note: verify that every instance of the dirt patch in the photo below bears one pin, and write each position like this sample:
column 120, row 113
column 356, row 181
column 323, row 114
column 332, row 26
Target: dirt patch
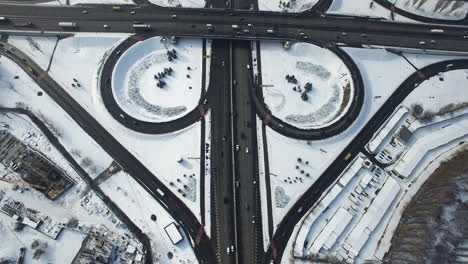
column 433, row 228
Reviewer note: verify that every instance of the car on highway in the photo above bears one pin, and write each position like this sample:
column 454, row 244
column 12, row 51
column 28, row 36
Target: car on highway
column 106, row 26
column 25, row 24
column 132, row 12
column 84, row 12
column 246, row 150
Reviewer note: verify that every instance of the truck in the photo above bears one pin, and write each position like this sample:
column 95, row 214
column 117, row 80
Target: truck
column 173, row 233
column 116, row 8
column 142, row 27
column 68, row 24
column 437, row 30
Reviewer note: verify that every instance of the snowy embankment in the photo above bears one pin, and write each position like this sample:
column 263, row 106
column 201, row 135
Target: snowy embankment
column 440, row 9
column 289, row 6
column 317, row 94
column 380, row 80
column 180, row 3
column 158, row 81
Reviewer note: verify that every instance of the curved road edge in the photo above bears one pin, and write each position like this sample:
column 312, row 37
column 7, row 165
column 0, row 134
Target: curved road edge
column 135, row 124
column 321, row 133
column 311, row 196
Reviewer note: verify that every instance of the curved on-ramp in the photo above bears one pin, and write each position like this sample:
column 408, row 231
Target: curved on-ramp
column 135, row 124
column 320, row 133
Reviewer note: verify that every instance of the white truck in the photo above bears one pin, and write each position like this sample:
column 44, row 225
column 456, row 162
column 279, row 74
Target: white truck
column 68, row 24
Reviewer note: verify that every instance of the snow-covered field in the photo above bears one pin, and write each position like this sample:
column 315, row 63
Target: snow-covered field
column 363, row 8
column 135, row 79
column 180, row 3
column 382, row 73
column 159, row 153
column 291, row 6
column 39, row 48
column 139, row 206
column 23, row 92
column 330, row 79
column 441, row 9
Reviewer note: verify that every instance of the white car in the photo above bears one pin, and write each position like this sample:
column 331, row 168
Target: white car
column 237, row 147
column 246, row 150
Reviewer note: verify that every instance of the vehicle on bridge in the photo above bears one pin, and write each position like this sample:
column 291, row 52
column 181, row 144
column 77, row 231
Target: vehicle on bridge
column 145, row 27
column 68, row 24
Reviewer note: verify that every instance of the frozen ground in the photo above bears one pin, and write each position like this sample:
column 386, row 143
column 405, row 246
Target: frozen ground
column 134, row 82
column 180, row 3
column 379, row 82
column 23, row 92
column 441, row 9
column 139, row 206
column 331, row 82
column 292, row 6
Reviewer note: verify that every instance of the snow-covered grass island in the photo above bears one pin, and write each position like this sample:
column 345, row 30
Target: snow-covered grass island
column 158, row 80
column 312, row 89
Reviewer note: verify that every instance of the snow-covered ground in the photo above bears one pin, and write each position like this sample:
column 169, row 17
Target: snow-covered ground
column 134, row 80
column 363, row 8
column 159, row 153
column 382, row 73
column 440, row 9
column 180, row 3
column 139, row 206
column 332, row 86
column 23, row 92
column 439, row 93
column 39, row 48
column 291, row 6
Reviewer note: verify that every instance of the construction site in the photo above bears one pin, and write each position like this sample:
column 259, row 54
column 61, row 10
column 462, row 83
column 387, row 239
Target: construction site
column 32, row 167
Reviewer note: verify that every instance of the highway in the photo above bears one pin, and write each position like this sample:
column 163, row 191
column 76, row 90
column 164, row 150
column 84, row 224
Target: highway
column 236, row 213
column 222, row 200
column 329, row 30
column 119, row 154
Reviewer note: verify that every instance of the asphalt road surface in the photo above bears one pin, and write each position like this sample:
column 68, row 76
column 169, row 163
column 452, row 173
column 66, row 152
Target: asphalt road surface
column 325, row 31
column 222, row 200
column 249, row 226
